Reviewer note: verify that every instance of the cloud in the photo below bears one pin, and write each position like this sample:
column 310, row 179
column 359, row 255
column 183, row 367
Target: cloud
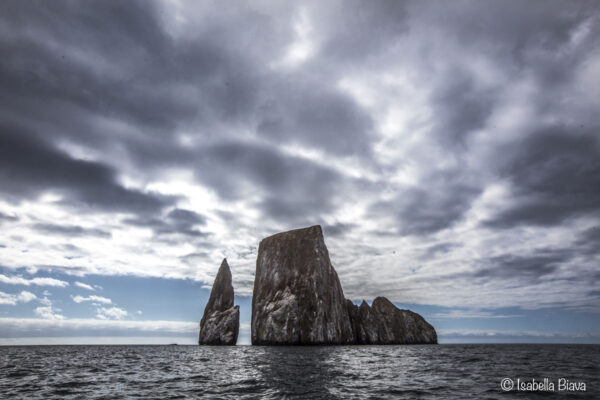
column 370, row 32
column 176, row 221
column 33, row 167
column 17, row 327
column 437, row 249
column 315, row 116
column 419, row 210
column 26, row 297
column 534, row 266
column 282, row 180
column 186, row 217
column 18, row 280
column 110, row 313
column 12, row 299
column 589, row 239
column 497, row 334
column 48, row 312
column 338, row 229
column 446, row 152
column 92, row 298
column 138, row 27
column 8, row 299
column 70, row 230
column 555, row 175
column 471, row 314
column 84, row 286
column 6, row 217
column 460, row 106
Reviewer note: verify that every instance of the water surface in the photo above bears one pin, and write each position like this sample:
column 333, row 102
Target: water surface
column 254, row 372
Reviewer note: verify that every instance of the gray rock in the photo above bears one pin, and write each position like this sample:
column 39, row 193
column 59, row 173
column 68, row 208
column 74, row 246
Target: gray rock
column 364, row 326
column 221, row 320
column 298, row 300
column 384, row 323
column 297, row 296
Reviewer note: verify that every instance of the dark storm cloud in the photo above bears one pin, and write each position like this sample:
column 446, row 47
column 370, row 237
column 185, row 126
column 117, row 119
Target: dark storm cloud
column 439, row 249
column 193, row 259
column 591, row 235
column 177, row 221
column 555, row 175
column 102, row 97
column 68, row 247
column 6, row 217
column 311, row 113
column 526, row 268
column 182, row 217
column 589, row 240
column 338, row 229
column 153, row 68
column 516, row 33
column 112, row 60
column 351, row 32
column 44, row 62
column 546, row 192
column 459, row 107
column 436, row 204
column 116, row 61
column 292, row 188
column 29, row 167
column 70, row 230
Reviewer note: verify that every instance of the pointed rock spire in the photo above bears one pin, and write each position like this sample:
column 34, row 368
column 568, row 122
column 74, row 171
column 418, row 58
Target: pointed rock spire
column 221, row 320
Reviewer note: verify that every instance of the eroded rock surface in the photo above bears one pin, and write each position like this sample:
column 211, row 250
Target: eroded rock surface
column 221, row 320
column 297, row 296
column 298, row 300
column 364, row 328
column 384, row 323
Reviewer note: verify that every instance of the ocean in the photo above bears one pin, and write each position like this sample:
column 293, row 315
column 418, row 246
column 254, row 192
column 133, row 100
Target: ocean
column 321, row 372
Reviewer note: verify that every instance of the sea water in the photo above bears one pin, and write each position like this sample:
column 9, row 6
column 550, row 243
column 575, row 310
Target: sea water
column 312, row 372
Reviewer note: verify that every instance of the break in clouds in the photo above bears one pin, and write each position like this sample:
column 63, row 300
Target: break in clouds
column 451, row 154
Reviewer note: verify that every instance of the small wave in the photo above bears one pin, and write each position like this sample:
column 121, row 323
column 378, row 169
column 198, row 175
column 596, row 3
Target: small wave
column 316, row 373
column 19, row 374
column 72, row 384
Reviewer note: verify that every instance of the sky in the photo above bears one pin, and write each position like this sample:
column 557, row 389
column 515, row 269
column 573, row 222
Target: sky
column 450, row 153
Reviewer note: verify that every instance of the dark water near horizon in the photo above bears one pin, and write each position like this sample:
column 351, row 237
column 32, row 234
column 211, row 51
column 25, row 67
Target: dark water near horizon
column 254, row 372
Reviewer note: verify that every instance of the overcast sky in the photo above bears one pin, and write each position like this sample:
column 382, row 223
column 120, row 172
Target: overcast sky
column 450, row 152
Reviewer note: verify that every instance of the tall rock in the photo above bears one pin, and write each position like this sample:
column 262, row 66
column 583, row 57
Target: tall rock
column 384, row 323
column 297, row 296
column 221, row 320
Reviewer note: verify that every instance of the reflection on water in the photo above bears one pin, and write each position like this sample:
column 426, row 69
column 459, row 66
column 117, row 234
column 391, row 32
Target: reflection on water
column 304, row 371
column 255, row 372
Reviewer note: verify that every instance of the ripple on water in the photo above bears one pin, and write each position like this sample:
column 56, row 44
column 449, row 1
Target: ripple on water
column 245, row 372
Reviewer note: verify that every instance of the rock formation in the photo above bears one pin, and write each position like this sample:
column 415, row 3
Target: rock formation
column 298, row 300
column 364, row 327
column 297, row 296
column 384, row 323
column 221, row 320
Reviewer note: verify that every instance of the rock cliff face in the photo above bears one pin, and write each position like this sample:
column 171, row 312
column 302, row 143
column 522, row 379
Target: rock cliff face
column 384, row 323
column 298, row 300
column 221, row 320
column 364, row 327
column 297, row 296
